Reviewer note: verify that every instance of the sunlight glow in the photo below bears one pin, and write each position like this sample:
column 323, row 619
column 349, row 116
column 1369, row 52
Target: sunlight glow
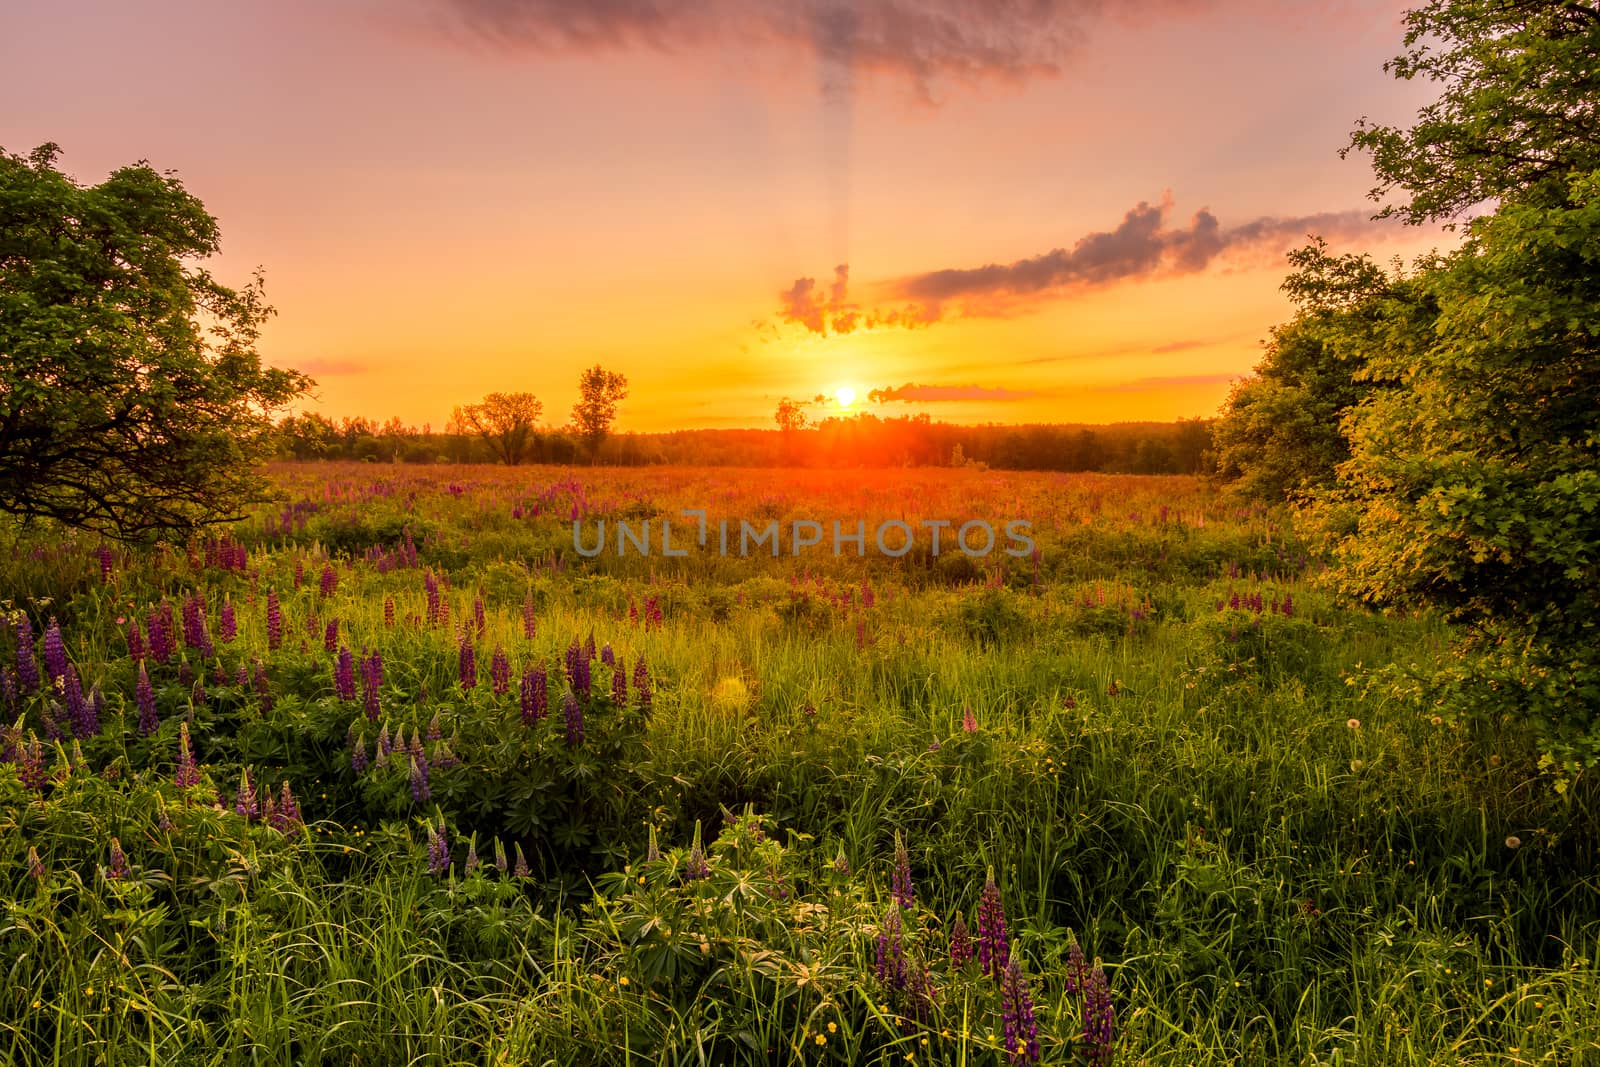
column 846, row 395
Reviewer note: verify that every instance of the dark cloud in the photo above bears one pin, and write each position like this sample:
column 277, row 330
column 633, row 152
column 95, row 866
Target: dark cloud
column 912, row 393
column 804, row 304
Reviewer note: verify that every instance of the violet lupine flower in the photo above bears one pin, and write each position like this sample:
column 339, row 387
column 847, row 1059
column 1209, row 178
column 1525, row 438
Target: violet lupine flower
column 145, row 697
column 263, row 687
column 79, row 713
column 106, row 559
column 415, row 747
column 330, row 636
column 521, row 869
column 530, row 624
column 994, row 950
column 420, row 789
column 891, row 962
column 288, row 814
column 588, row 648
column 35, row 864
column 695, row 865
column 641, row 684
column 135, row 642
column 55, row 651
column 245, row 803
column 841, row 862
column 30, row 765
column 960, row 943
column 577, row 667
column 480, row 620
column 430, row 584
column 358, row 754
column 467, row 663
column 241, row 677
column 438, row 849
column 572, row 710
column 299, row 573
column 188, row 772
column 185, row 673
column 94, row 710
column 274, row 620
column 158, row 627
column 1018, row 1029
column 472, row 856
column 51, row 721
column 388, row 611
column 344, row 675
column 330, row 579
column 500, row 672
column 119, row 862
column 371, row 682
column 195, row 633
column 900, row 880
column 8, row 687
column 608, row 657
column 1099, row 1017
column 1077, row 968
column 534, row 700
column 27, row 666
column 227, row 623
column 435, row 728
column 382, row 757
column 619, row 686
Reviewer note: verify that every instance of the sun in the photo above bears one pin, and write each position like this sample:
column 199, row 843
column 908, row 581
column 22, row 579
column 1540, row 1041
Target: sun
column 845, row 395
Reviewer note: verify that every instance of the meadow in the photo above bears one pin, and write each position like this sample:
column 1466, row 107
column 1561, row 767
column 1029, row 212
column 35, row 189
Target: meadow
column 387, row 773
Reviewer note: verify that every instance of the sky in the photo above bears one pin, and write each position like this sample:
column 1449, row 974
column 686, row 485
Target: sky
column 979, row 210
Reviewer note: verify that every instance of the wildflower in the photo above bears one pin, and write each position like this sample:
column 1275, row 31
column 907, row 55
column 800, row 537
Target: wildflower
column 960, row 942
column 344, row 675
column 420, row 790
column 573, row 712
column 652, row 851
column 35, row 864
column 30, row 765
column 900, row 880
column 188, row 772
column 119, row 862
column 27, row 666
column 382, row 756
column 1353, row 724
column 619, row 686
column 641, row 684
column 145, row 697
column 472, row 855
column 521, row 868
column 195, row 633
column 388, row 611
column 104, row 556
column 969, row 721
column 608, row 657
column 135, row 642
column 1077, row 968
column 1099, row 1017
column 695, row 865
column 438, row 849
column 467, row 663
column 245, row 803
column 841, row 862
column 227, row 622
column 1020, row 1031
column 358, row 754
column 588, row 647
column 530, row 624
column 534, row 699
column 577, row 669
column 891, row 960
column 500, row 672
column 1513, row 841
column 480, row 619
column 274, row 621
column 371, row 682
column 55, row 651
column 288, row 813
column 993, row 948
column 499, row 856
column 330, row 636
column 330, row 580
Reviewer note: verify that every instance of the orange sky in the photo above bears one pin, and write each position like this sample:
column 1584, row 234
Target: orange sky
column 451, row 197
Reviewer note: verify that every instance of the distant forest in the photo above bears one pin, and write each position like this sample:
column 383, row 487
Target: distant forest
column 864, row 440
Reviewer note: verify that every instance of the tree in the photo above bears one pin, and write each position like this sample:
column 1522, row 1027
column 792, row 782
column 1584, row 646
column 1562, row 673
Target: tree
column 791, row 416
column 132, row 400
column 599, row 392
column 507, row 421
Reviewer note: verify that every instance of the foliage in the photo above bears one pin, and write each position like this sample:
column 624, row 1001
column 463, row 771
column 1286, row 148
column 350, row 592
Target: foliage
column 132, row 400
column 506, row 421
column 599, row 393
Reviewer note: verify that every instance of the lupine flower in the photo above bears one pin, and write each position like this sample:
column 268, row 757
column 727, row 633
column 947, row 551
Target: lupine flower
column 241, row 677
column 288, row 814
column 435, row 728
column 388, row 611
column 245, row 803
column 994, row 951
column 534, row 700
column 119, row 862
column 891, row 962
column 472, row 855
column 438, row 849
column 85, row 716
column 530, row 624
column 578, row 669
column 969, row 721
column 227, row 623
column 521, row 869
column 263, row 687
column 188, row 772
column 158, row 627
column 382, row 758
column 330, row 579
column 1077, row 968
column 135, row 642
column 608, row 657
column 480, row 620
column 144, row 696
column 358, row 754
column 344, row 675
column 1099, row 1017
column 185, row 672
column 619, row 686
column 500, row 672
column 371, row 681
column 500, row 863
column 196, row 634
column 420, row 790
column 900, row 881
column 27, row 666
column 55, row 651
column 841, row 862
column 641, row 684
column 960, row 943
column 588, row 647
column 30, row 765
column 103, row 554
column 274, row 620
column 652, row 851
column 1018, row 1029
column 573, row 712
column 330, row 636
column 430, row 584
column 8, row 687
column 299, row 573
column 467, row 663
column 695, row 865
column 35, row 864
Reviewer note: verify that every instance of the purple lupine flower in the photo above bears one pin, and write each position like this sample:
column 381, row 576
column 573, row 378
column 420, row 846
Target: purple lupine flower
column 330, row 636
column 8, row 688
column 371, row 683
column 382, row 757
column 106, row 558
column 358, row 754
column 500, row 672
column 608, row 657
column 841, row 862
column 330, row 580
column 435, row 728
column 960, row 943
column 641, row 684
column 521, row 869
column 344, row 675
column 78, row 711
column 94, row 710
column 119, row 862
column 299, row 573
column 695, row 866
column 35, row 864
column 900, row 880
column 227, row 623
column 288, row 814
column 269, row 809
column 27, row 666
column 245, row 803
column 438, row 849
column 994, row 950
column 50, row 718
column 135, row 642
column 573, row 711
column 500, row 863
column 530, row 624
column 145, row 697
column 1077, row 969
column 30, row 765
column 431, row 585
column 241, row 677
column 1018, row 1029
column 388, row 611
column 263, row 687
column 415, row 747
column 188, row 773
column 534, row 700
column 891, row 961
column 195, row 632
column 185, row 672
column 619, row 686
column 472, row 856
column 588, row 647
column 274, row 620
column 577, row 666
column 480, row 620
column 467, row 662
column 420, row 789
column 55, row 652
column 1099, row 1017
column 158, row 627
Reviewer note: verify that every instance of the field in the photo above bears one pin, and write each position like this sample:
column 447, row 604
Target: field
column 388, row 773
